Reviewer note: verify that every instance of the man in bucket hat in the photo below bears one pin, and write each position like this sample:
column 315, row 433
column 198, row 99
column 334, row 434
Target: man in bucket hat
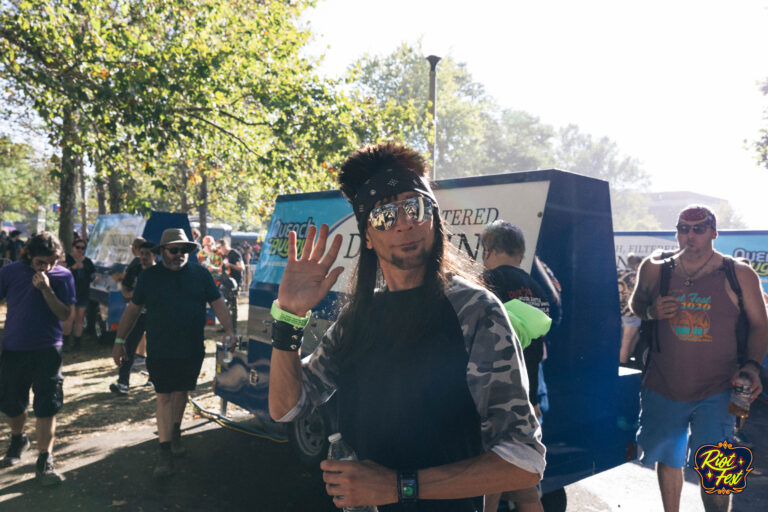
column 175, row 295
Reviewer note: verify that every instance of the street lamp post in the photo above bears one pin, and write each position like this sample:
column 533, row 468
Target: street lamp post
column 433, row 60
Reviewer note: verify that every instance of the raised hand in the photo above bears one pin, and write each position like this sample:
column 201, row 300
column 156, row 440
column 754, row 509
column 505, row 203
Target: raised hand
column 308, row 279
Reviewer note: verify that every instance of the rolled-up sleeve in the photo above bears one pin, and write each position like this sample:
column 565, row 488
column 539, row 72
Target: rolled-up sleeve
column 497, row 378
column 319, row 372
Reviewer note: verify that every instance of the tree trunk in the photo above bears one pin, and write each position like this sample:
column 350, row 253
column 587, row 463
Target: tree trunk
column 113, row 186
column 68, row 182
column 101, row 193
column 203, row 214
column 84, row 201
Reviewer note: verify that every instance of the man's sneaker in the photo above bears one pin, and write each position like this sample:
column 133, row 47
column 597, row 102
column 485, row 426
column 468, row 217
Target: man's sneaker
column 741, row 438
column 13, row 455
column 139, row 361
column 164, row 467
column 45, row 472
column 119, row 388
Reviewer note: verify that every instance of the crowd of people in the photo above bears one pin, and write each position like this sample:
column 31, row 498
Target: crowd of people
column 434, row 391
column 10, row 246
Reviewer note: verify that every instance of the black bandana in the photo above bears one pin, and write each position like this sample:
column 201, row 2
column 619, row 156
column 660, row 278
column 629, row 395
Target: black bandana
column 388, row 183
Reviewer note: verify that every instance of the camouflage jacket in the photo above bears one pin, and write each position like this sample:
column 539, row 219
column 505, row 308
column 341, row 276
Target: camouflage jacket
column 496, row 377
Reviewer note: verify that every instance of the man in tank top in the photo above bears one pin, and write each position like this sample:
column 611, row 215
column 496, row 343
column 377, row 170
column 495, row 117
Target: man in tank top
column 686, row 387
column 429, row 376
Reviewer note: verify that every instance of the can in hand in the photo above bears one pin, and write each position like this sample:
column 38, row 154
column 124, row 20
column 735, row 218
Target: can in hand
column 740, row 394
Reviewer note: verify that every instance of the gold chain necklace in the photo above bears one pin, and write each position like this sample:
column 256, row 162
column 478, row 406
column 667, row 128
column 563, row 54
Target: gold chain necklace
column 689, row 277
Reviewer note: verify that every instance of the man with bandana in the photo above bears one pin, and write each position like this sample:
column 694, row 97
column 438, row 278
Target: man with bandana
column 694, row 362
column 429, row 376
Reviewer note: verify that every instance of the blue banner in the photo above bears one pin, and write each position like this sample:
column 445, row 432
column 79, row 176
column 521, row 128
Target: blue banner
column 297, row 215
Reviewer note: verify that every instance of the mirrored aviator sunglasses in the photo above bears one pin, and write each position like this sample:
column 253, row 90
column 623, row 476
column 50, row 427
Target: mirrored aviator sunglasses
column 699, row 229
column 417, row 209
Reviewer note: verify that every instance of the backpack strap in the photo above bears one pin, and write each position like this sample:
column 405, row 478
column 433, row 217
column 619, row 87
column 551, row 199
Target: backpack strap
column 667, row 267
column 742, row 324
column 730, row 273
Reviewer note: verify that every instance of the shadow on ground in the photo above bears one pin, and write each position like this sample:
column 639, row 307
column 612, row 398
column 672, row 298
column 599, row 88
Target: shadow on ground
column 223, row 470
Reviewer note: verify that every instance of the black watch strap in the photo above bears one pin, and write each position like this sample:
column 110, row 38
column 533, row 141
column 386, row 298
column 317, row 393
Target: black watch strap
column 407, row 486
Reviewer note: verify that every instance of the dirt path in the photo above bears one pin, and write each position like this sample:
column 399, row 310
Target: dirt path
column 106, row 447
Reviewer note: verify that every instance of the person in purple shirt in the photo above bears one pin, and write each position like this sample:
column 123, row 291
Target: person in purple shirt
column 39, row 294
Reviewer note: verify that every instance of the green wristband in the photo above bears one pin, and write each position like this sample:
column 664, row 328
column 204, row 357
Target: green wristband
column 120, row 341
column 289, row 318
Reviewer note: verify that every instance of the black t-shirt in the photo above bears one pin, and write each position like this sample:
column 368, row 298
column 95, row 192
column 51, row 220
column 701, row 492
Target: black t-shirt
column 83, row 277
column 507, row 283
column 405, row 403
column 175, row 303
column 14, row 249
column 132, row 272
column 233, row 257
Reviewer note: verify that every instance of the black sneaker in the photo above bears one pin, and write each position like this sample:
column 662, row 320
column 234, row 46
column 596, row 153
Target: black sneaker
column 164, row 466
column 177, row 449
column 45, row 472
column 13, row 456
column 119, row 388
column 741, row 438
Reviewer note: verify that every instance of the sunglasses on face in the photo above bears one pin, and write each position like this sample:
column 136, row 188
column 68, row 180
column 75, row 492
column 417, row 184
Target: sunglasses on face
column 417, row 209
column 699, row 229
column 177, row 250
column 79, row 247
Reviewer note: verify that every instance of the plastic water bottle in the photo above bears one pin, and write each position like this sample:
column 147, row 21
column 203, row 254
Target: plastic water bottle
column 340, row 450
column 227, row 357
column 740, row 394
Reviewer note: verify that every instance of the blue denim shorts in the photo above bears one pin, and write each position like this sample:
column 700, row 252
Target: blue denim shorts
column 670, row 431
column 631, row 321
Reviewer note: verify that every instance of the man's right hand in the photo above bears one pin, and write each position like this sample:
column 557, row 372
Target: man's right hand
column 118, row 353
column 306, row 281
column 664, row 308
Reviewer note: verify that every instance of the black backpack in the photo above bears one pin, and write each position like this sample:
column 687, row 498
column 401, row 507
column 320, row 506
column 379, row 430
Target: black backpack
column 649, row 340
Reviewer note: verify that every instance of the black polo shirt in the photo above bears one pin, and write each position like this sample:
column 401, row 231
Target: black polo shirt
column 176, row 302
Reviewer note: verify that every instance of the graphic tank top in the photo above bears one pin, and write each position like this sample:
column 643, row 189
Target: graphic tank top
column 698, row 349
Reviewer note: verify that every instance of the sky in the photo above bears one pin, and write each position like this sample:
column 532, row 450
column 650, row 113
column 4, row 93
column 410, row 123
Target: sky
column 673, row 83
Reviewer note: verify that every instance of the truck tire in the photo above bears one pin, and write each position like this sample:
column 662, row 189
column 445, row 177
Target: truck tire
column 309, row 436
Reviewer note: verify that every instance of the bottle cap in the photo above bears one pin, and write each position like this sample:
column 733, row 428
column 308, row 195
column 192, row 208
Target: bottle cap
column 334, row 437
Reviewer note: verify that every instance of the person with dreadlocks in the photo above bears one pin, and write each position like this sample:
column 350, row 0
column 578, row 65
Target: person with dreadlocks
column 431, row 385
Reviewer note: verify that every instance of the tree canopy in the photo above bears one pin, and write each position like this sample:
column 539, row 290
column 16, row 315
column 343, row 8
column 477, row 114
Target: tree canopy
column 162, row 96
column 761, row 145
column 25, row 182
column 476, row 136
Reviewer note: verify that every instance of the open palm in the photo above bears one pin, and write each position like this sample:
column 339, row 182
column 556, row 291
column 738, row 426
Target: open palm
column 306, row 281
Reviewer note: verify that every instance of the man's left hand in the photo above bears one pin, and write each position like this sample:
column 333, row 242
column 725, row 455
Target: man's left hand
column 352, row 483
column 754, row 376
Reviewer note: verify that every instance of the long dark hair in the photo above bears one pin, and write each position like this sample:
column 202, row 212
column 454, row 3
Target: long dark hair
column 357, row 318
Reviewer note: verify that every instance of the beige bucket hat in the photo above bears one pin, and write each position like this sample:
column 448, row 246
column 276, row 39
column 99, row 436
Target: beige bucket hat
column 175, row 236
